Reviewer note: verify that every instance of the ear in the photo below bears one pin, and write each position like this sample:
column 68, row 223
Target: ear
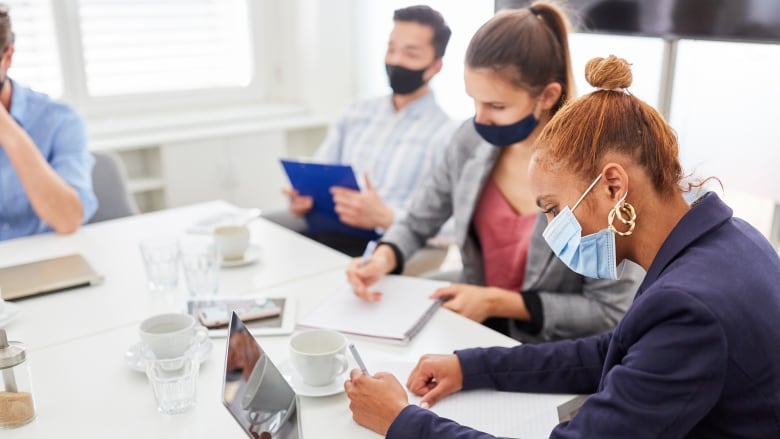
column 550, row 95
column 434, row 69
column 616, row 179
column 5, row 61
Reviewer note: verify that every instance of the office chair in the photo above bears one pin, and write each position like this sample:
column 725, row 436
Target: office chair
column 109, row 180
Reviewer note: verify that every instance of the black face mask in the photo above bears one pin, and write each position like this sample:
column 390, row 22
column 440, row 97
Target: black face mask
column 404, row 81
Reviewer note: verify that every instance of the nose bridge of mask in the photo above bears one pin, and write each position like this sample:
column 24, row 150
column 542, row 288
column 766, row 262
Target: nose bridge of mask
column 563, row 232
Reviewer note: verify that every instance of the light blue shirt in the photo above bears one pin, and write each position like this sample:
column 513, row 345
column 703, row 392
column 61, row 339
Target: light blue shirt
column 397, row 149
column 60, row 135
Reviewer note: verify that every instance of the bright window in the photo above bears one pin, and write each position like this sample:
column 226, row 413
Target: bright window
column 725, row 112
column 147, row 46
column 36, row 61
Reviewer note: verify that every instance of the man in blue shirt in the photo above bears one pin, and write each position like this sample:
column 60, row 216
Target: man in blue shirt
column 392, row 142
column 45, row 168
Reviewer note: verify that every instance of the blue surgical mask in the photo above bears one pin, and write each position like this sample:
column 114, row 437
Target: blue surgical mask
column 591, row 255
column 505, row 135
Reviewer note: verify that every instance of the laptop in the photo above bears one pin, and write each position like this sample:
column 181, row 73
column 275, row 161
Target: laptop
column 46, row 276
column 254, row 391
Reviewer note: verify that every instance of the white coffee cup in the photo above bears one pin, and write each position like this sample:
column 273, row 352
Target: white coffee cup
column 319, row 356
column 170, row 335
column 232, row 241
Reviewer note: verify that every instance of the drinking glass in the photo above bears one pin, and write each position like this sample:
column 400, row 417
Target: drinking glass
column 174, row 380
column 201, row 262
column 161, row 260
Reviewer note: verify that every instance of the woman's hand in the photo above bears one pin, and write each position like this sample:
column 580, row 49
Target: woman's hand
column 435, row 377
column 375, row 401
column 361, row 275
column 470, row 301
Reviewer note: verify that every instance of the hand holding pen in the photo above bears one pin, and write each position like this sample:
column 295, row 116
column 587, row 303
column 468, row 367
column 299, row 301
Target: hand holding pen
column 368, row 269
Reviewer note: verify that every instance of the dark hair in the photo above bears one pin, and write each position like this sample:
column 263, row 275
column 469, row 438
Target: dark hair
column 611, row 120
column 430, row 17
column 6, row 33
column 530, row 46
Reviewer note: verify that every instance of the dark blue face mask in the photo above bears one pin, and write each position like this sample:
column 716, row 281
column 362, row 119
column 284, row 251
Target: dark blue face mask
column 505, row 135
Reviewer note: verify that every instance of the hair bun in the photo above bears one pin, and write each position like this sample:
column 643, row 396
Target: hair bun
column 609, row 74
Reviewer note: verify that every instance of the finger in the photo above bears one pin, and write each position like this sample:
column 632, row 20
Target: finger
column 445, row 292
column 420, row 381
column 348, row 386
column 342, row 191
column 435, row 394
column 369, row 185
column 453, row 305
column 354, row 374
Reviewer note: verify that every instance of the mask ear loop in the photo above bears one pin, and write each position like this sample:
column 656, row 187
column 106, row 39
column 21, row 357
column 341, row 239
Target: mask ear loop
column 587, row 191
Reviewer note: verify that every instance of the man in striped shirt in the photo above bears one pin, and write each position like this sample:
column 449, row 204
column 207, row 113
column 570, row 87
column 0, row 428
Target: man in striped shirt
column 392, row 142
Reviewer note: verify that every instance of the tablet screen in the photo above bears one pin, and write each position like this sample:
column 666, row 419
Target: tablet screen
column 254, row 391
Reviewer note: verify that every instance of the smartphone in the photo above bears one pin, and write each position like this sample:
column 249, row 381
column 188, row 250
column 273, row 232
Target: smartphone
column 215, row 316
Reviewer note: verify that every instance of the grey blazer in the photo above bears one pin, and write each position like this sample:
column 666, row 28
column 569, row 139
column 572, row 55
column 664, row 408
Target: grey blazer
column 573, row 305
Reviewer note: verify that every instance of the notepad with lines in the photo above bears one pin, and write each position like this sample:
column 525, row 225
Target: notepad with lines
column 403, row 311
column 504, row 414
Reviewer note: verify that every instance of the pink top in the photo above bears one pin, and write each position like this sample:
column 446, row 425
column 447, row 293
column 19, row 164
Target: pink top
column 504, row 236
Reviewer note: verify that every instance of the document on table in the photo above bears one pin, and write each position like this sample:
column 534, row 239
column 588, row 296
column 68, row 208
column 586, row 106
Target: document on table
column 404, row 309
column 503, row 414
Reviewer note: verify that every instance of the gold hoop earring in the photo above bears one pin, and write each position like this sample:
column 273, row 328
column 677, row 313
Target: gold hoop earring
column 619, row 212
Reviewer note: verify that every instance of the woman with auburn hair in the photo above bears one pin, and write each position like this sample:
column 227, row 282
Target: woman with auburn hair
column 696, row 355
column 518, row 72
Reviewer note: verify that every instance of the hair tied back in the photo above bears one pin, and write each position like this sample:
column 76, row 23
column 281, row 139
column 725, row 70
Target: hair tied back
column 611, row 73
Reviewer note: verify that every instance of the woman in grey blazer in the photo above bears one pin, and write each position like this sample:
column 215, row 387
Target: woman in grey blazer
column 489, row 152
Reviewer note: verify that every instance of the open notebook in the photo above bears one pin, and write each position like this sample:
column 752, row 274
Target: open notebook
column 503, row 414
column 404, row 309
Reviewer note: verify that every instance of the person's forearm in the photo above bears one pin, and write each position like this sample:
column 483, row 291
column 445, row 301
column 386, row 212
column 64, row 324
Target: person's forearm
column 52, row 199
column 507, row 304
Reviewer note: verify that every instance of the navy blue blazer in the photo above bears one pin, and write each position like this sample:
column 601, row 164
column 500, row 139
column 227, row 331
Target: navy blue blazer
column 697, row 355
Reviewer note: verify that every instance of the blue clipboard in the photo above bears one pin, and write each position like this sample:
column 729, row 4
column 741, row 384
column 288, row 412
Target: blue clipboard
column 315, row 180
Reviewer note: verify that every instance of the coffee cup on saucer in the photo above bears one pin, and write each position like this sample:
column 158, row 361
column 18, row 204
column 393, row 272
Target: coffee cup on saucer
column 171, row 335
column 233, row 241
column 319, row 356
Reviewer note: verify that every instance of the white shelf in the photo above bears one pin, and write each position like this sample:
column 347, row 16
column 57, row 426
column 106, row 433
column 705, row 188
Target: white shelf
column 145, row 184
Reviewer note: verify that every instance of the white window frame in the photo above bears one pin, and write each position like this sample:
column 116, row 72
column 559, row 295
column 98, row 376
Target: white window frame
column 75, row 92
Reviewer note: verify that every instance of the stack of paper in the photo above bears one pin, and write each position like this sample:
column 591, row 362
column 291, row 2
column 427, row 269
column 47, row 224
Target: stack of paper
column 405, row 307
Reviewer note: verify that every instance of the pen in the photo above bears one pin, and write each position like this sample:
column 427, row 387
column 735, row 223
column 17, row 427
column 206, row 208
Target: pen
column 370, row 247
column 358, row 360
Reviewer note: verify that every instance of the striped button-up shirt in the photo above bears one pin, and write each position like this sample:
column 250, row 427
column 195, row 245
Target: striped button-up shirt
column 396, row 148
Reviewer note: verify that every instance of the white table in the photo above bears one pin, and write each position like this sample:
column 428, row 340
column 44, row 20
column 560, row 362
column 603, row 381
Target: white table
column 77, row 339
column 123, row 298
column 84, row 389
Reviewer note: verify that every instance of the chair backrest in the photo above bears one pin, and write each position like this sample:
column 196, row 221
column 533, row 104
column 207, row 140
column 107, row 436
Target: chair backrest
column 109, row 180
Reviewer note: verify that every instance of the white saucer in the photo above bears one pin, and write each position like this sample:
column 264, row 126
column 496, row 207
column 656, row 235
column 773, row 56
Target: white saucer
column 251, row 255
column 302, row 389
column 10, row 312
column 135, row 361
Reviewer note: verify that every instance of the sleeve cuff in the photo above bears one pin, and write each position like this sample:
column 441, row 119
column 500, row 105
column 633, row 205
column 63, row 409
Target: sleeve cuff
column 407, row 423
column 399, row 257
column 533, row 303
column 474, row 375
